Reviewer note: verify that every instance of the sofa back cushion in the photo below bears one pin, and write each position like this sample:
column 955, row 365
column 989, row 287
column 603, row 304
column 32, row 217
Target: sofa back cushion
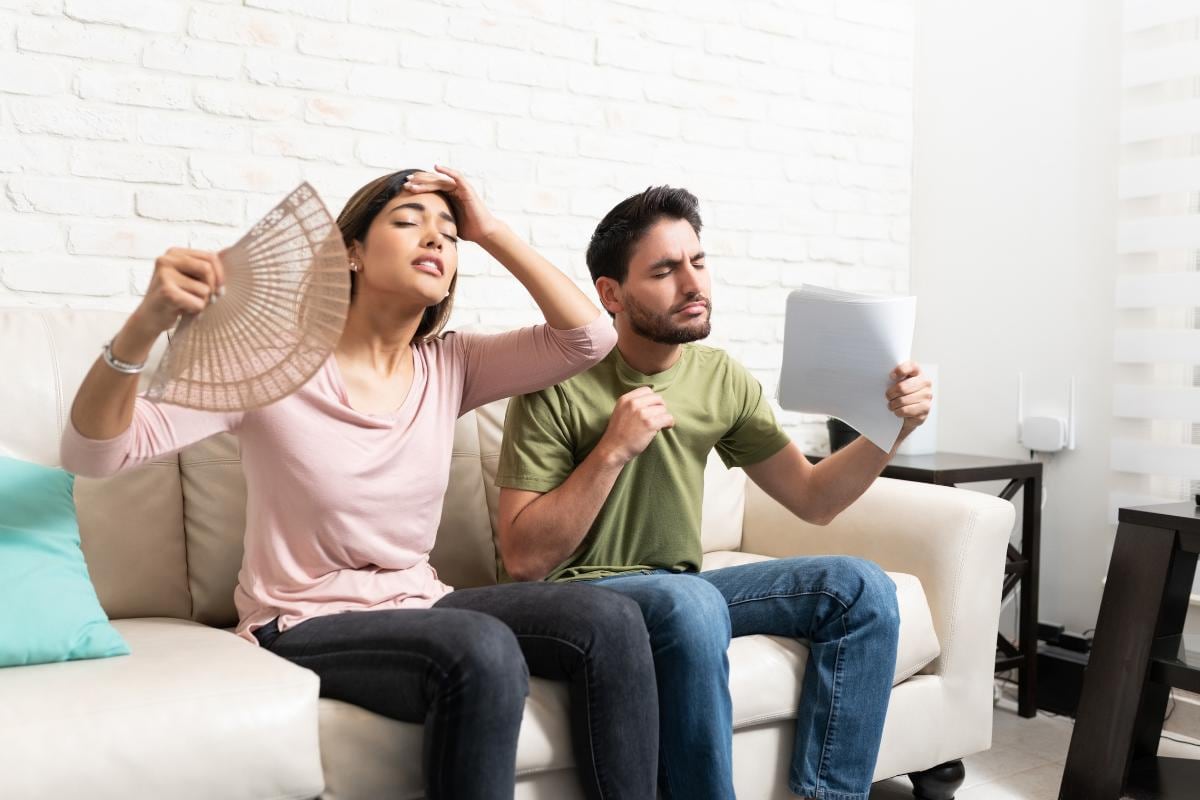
column 214, row 519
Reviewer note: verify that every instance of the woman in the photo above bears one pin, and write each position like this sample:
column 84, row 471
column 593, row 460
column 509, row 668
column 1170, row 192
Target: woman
column 345, row 482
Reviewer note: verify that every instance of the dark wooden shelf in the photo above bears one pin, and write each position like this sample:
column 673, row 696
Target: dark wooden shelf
column 1175, row 662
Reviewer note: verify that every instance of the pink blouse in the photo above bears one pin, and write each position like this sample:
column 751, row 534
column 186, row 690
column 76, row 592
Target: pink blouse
column 342, row 507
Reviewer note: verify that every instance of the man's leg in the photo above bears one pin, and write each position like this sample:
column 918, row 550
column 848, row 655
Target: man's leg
column 846, row 608
column 689, row 634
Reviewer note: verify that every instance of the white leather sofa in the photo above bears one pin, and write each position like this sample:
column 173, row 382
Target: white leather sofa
column 195, row 712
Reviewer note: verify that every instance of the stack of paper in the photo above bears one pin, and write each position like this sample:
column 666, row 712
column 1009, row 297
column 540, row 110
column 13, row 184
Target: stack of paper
column 839, row 349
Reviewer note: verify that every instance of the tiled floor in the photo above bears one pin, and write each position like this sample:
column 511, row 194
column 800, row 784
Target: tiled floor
column 1025, row 762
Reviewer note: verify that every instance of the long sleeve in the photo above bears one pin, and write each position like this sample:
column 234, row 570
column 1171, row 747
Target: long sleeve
column 156, row 429
column 529, row 359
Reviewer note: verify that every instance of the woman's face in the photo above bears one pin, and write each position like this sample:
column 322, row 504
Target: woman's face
column 411, row 248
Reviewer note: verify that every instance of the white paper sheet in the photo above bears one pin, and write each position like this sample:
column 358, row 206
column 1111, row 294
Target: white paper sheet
column 838, row 350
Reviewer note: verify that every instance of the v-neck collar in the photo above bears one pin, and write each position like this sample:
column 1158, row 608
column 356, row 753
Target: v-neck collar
column 401, row 411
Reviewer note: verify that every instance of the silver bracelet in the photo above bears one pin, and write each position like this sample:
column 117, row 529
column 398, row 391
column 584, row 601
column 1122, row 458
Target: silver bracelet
column 124, row 367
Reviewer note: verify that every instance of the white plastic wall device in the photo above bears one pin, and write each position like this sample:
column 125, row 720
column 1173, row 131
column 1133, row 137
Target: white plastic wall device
column 1045, row 433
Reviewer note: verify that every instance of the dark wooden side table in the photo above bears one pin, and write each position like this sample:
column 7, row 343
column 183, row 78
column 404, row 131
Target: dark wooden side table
column 1021, row 567
column 1138, row 654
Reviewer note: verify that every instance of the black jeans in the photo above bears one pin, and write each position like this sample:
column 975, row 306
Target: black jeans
column 462, row 668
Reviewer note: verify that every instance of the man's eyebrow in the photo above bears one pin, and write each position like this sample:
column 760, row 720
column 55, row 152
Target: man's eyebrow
column 420, row 207
column 670, row 262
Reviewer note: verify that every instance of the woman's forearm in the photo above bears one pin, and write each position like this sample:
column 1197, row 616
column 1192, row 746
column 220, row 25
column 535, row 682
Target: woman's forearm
column 103, row 407
column 560, row 300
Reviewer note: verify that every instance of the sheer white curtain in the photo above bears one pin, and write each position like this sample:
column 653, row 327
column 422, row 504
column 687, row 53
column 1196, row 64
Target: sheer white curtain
column 1156, row 401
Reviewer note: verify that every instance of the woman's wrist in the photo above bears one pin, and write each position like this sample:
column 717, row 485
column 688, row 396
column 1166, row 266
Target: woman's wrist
column 493, row 236
column 134, row 341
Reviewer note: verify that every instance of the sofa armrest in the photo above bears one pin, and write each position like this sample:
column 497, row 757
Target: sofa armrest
column 953, row 540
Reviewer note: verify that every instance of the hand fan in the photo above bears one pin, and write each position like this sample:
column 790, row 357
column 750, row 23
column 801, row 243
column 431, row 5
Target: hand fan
column 287, row 291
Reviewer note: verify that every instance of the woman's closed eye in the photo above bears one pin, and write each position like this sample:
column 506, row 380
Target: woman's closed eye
column 450, row 237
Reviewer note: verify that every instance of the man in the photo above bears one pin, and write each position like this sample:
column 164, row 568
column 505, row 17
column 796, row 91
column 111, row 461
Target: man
column 602, row 480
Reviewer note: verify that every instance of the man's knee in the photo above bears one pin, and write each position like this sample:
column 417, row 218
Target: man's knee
column 871, row 590
column 690, row 611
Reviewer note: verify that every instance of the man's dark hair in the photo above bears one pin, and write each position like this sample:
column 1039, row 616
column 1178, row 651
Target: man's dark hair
column 615, row 237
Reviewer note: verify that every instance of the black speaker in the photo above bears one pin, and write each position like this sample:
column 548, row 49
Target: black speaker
column 840, row 434
column 1059, row 679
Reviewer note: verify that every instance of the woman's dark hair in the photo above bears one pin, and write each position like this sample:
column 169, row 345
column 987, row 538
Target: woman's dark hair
column 615, row 237
column 355, row 220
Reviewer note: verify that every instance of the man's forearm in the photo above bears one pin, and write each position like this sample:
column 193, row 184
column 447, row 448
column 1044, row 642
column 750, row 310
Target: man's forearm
column 841, row 478
column 549, row 530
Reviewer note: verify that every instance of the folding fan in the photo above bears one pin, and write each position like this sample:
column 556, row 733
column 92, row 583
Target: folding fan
column 287, row 291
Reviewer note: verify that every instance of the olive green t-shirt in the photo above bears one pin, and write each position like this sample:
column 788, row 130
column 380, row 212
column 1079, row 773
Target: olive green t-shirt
column 651, row 519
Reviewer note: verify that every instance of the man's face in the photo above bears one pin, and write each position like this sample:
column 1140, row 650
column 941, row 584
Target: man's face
column 666, row 294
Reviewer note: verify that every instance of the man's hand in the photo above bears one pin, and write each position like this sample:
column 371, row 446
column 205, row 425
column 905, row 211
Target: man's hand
column 635, row 420
column 910, row 396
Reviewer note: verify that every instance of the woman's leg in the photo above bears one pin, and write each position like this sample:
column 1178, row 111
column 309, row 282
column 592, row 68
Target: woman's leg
column 459, row 672
column 596, row 640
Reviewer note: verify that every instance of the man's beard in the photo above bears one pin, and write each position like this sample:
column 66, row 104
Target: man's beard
column 661, row 329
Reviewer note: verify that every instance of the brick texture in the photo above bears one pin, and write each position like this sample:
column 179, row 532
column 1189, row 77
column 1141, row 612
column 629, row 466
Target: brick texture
column 127, row 127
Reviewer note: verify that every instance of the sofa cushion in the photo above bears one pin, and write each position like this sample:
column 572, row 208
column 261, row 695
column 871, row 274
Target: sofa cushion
column 214, row 522
column 368, row 756
column 724, row 506
column 48, row 608
column 464, row 554
column 194, row 712
column 918, row 640
column 150, row 545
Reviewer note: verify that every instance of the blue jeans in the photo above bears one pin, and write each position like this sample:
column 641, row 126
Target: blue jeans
column 844, row 607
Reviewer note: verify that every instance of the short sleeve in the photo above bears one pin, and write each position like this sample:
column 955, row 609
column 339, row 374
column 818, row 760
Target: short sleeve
column 755, row 434
column 538, row 452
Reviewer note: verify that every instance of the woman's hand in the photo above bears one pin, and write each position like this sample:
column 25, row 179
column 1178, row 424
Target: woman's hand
column 475, row 223
column 184, row 282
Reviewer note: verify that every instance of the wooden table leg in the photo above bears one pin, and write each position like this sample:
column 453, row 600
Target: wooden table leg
column 1172, row 617
column 1031, row 526
column 1103, row 738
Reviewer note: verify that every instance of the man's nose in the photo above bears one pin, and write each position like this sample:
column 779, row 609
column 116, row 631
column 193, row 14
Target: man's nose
column 689, row 282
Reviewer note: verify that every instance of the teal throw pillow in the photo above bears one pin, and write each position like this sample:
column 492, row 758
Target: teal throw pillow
column 48, row 607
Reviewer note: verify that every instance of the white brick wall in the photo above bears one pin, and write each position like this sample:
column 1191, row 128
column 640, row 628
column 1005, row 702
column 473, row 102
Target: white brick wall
column 126, row 127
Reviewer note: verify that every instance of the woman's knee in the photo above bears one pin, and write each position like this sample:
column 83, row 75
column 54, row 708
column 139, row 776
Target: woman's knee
column 605, row 618
column 483, row 652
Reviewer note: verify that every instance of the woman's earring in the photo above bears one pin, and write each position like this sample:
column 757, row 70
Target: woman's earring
column 354, row 266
